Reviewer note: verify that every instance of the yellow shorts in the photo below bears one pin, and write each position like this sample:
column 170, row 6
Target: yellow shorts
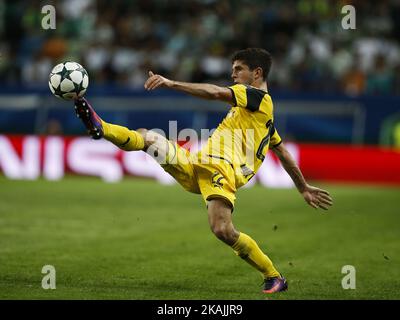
column 215, row 179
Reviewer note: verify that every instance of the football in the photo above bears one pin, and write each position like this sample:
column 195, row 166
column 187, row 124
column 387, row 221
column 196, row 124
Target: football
column 68, row 80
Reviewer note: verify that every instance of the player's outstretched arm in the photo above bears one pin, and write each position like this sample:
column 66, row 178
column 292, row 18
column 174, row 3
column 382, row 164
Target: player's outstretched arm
column 315, row 197
column 201, row 90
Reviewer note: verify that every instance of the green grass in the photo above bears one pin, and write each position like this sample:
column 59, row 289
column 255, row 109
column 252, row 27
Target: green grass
column 141, row 240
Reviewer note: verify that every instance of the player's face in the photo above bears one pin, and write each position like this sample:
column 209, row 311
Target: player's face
column 241, row 73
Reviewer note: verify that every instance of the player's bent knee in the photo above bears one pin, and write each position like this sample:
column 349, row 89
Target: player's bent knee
column 152, row 137
column 157, row 146
column 219, row 217
column 142, row 131
column 224, row 233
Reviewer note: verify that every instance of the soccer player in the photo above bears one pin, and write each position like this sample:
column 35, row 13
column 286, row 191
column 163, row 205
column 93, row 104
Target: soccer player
column 231, row 157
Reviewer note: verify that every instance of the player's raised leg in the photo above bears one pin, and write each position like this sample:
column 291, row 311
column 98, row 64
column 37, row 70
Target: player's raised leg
column 153, row 143
column 122, row 137
column 220, row 220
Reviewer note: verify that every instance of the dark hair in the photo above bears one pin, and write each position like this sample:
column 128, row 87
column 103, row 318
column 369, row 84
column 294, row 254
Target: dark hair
column 254, row 58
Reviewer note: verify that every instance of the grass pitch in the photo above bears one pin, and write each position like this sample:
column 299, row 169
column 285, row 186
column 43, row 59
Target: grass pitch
column 141, row 240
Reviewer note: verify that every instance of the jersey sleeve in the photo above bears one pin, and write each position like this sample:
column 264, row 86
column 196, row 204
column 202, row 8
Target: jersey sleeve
column 275, row 139
column 247, row 97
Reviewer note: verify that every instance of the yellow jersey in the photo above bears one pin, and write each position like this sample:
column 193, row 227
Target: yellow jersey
column 245, row 135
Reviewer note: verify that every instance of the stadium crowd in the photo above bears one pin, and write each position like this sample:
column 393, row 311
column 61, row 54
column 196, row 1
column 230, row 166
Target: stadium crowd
column 119, row 41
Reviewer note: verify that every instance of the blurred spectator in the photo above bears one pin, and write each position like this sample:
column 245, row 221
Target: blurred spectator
column 193, row 40
column 396, row 80
column 354, row 80
column 380, row 79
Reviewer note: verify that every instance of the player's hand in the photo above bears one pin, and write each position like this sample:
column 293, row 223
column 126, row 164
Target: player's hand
column 156, row 81
column 317, row 198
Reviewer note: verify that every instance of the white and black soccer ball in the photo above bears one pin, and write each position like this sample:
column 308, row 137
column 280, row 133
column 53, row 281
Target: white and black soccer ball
column 68, row 80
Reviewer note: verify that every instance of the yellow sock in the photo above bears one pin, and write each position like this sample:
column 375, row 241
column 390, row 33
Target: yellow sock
column 122, row 137
column 246, row 248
